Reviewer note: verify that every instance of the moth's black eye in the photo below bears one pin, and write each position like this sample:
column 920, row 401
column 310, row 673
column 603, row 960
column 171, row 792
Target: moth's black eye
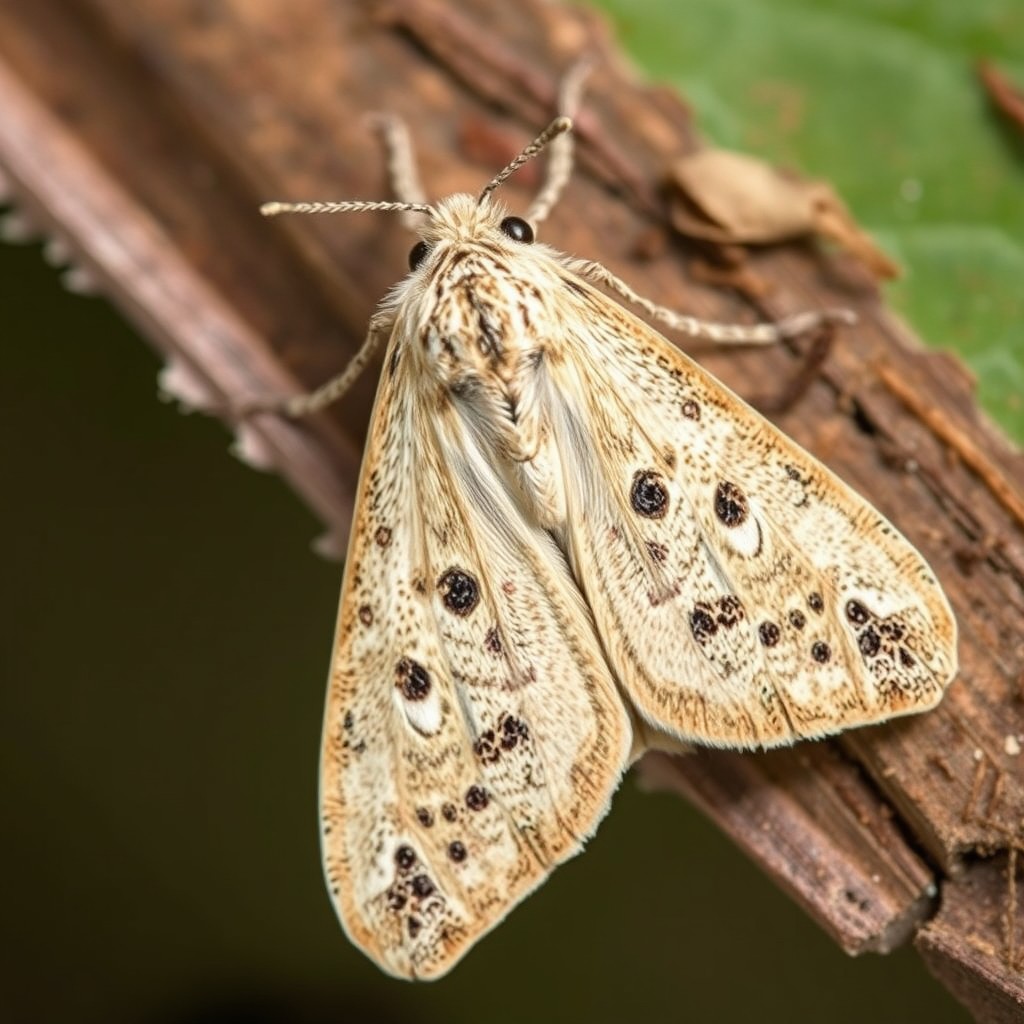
column 517, row 229
column 417, row 254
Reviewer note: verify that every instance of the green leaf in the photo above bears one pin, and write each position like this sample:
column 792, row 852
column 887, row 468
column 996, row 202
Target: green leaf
column 880, row 98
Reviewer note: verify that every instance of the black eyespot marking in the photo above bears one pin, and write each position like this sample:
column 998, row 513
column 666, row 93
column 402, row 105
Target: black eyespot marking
column 418, row 253
column 869, row 643
column 820, row 651
column 424, row 817
column 512, row 731
column 906, row 658
column 414, row 925
column 815, row 602
column 648, row 495
column 492, row 744
column 892, row 630
column 457, row 851
column 405, row 857
column 731, row 505
column 691, row 410
column 730, row 611
column 477, row 798
column 797, row 619
column 484, row 747
column 448, row 812
column 383, row 536
column 856, row 613
column 702, row 623
column 459, row 591
column 422, row 886
column 366, row 615
column 707, row 618
column 412, row 679
column 769, row 633
column 517, row 229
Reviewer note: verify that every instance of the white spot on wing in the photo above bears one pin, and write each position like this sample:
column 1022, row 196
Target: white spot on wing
column 423, row 715
column 744, row 539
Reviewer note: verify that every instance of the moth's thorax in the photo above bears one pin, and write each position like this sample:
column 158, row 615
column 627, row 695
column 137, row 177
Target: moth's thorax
column 482, row 322
column 479, row 316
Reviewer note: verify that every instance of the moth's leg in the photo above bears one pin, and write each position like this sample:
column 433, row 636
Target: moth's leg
column 722, row 334
column 304, row 405
column 560, row 150
column 401, row 164
column 792, row 391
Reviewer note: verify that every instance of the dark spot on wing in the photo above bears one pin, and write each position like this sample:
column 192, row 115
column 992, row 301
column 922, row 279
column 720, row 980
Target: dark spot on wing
column 459, row 591
column 856, row 612
column 821, row 652
column 648, row 495
column 412, row 679
column 731, row 504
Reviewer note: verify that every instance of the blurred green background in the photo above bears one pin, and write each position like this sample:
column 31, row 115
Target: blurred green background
column 168, row 627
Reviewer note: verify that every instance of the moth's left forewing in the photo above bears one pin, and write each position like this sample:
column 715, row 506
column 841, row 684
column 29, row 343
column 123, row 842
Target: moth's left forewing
column 473, row 733
column 746, row 595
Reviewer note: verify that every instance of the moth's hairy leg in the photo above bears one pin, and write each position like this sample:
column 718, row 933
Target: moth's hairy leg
column 403, row 173
column 296, row 406
column 560, row 151
column 793, row 390
column 719, row 333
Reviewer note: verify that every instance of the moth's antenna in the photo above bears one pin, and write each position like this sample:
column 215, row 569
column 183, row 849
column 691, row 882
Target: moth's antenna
column 553, row 130
column 272, row 209
column 405, row 180
column 560, row 158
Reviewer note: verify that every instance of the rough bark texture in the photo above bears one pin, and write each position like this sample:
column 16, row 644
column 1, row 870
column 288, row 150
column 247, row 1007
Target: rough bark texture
column 147, row 134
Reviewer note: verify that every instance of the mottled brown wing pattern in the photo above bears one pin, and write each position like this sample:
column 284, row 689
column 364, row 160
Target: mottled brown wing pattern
column 473, row 733
column 745, row 595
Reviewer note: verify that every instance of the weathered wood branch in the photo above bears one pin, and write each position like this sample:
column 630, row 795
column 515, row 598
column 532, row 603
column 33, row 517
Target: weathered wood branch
column 147, row 134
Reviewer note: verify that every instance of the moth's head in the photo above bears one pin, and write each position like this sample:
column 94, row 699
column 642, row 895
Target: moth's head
column 463, row 219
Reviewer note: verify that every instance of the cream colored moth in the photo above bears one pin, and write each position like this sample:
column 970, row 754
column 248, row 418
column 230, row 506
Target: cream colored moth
column 570, row 544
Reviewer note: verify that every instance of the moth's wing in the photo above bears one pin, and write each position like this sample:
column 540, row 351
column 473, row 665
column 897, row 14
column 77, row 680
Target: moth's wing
column 745, row 595
column 473, row 732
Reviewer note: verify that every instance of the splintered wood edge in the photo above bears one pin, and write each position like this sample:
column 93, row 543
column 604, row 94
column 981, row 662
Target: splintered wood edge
column 973, row 945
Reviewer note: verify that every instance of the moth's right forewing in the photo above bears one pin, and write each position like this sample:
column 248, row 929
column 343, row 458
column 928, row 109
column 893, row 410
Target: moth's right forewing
column 746, row 596
column 473, row 733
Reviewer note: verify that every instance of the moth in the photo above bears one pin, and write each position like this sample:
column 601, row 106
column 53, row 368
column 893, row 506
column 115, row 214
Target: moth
column 570, row 544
